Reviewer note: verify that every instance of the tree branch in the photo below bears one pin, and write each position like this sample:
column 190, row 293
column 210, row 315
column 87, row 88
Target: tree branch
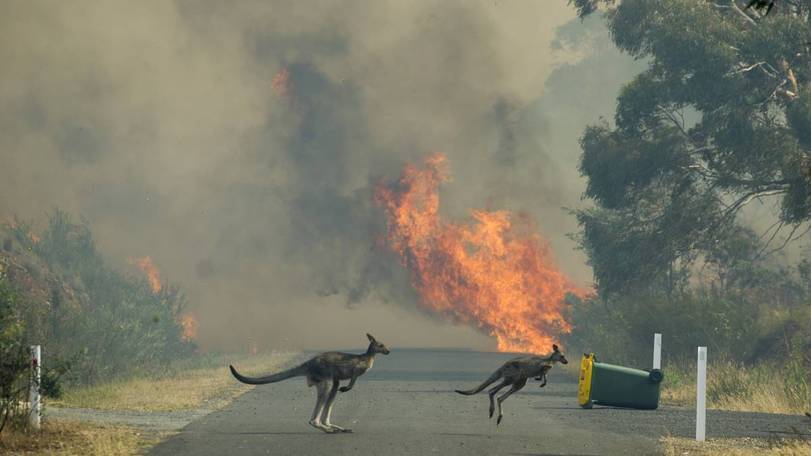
column 744, row 68
column 747, row 198
column 766, row 245
column 735, row 8
column 790, row 238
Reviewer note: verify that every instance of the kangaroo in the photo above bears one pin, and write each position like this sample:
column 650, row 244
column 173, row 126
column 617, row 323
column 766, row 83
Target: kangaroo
column 516, row 372
column 320, row 371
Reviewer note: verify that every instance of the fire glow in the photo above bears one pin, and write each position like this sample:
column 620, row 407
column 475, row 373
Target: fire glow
column 146, row 265
column 187, row 321
column 495, row 271
column 189, row 324
column 281, row 82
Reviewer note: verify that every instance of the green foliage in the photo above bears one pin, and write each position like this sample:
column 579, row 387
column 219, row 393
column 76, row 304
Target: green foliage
column 622, row 331
column 13, row 360
column 21, row 232
column 586, row 7
column 721, row 117
column 798, row 115
column 107, row 324
column 69, row 246
column 52, row 376
column 745, row 312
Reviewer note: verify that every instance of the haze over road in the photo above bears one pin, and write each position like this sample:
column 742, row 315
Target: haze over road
column 406, row 405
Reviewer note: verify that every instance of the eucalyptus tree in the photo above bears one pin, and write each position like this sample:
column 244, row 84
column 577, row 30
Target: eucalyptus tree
column 721, row 117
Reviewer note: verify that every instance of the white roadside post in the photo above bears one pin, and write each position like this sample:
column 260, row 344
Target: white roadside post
column 33, row 395
column 701, row 395
column 657, row 351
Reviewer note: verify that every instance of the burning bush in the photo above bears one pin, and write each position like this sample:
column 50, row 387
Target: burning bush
column 107, row 323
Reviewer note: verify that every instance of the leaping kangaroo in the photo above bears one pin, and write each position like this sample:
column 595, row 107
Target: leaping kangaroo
column 516, row 372
column 320, row 371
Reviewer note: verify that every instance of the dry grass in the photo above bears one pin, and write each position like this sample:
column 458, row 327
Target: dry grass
column 182, row 388
column 676, row 446
column 203, row 382
column 60, row 438
column 731, row 386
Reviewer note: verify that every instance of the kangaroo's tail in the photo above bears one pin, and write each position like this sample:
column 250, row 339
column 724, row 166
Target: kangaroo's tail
column 273, row 378
column 496, row 375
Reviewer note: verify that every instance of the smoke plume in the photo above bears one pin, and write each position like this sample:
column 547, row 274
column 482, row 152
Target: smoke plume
column 237, row 144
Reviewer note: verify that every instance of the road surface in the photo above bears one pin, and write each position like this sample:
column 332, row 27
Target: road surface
column 406, row 406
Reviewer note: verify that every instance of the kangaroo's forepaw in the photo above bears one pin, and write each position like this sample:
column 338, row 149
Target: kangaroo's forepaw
column 343, row 389
column 498, row 421
column 491, row 413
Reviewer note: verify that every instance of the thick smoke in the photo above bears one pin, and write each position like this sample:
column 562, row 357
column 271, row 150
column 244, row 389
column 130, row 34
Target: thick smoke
column 161, row 123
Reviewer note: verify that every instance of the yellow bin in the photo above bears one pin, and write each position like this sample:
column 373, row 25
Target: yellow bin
column 584, row 382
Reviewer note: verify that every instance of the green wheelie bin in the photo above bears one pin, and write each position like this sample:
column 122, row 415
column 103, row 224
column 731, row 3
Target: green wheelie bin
column 618, row 386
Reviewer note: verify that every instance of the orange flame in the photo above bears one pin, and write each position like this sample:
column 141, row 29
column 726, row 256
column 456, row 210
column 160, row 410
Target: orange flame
column 12, row 225
column 146, row 265
column 281, row 83
column 189, row 324
column 495, row 271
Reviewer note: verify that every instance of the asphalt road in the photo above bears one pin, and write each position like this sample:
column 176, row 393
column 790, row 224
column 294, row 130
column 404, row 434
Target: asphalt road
column 406, row 405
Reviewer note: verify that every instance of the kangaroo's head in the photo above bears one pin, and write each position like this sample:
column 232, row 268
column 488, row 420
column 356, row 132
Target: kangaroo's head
column 557, row 356
column 375, row 346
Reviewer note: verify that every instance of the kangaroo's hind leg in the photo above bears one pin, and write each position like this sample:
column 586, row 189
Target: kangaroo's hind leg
column 325, row 416
column 516, row 386
column 315, row 421
column 493, row 392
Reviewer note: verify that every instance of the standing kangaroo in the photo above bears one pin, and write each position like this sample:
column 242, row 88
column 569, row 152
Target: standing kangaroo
column 320, row 371
column 516, row 372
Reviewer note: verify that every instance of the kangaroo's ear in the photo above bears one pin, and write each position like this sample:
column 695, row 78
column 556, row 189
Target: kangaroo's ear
column 370, row 337
column 555, row 347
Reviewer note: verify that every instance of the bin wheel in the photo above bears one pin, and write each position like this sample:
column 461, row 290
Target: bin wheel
column 656, row 376
column 588, row 405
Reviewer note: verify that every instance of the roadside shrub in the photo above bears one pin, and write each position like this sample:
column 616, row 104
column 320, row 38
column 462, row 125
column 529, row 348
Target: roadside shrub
column 105, row 323
column 52, row 376
column 733, row 381
column 13, row 361
column 763, row 387
column 796, row 377
column 622, row 330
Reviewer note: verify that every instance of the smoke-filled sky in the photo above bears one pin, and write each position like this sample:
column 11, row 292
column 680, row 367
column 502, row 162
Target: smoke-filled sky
column 169, row 126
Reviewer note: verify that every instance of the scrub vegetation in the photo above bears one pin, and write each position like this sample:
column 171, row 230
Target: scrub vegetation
column 94, row 323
